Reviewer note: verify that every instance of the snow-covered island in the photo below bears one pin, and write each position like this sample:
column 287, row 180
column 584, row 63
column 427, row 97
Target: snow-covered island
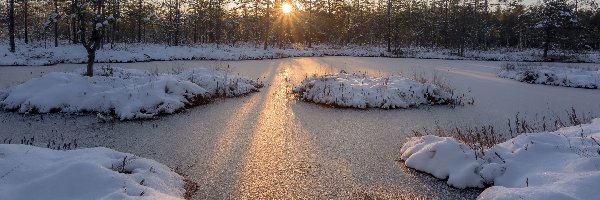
column 124, row 93
column 564, row 164
column 363, row 91
column 95, row 173
column 558, row 76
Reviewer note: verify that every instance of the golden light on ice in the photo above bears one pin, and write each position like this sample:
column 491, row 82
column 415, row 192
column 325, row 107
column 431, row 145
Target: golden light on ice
column 286, row 8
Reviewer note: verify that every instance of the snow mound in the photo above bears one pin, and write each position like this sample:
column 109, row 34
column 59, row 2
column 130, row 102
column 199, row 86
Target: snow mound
column 558, row 76
column 362, row 91
column 550, row 165
column 29, row 172
column 126, row 93
column 220, row 83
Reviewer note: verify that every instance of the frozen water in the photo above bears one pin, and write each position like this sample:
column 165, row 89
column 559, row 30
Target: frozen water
column 269, row 144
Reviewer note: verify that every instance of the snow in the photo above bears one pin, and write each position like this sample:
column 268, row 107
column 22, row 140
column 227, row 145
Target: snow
column 564, row 164
column 558, row 76
column 126, row 93
column 29, row 172
column 37, row 54
column 362, row 91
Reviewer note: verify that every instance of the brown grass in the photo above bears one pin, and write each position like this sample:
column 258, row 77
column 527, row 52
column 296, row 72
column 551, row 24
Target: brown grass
column 481, row 138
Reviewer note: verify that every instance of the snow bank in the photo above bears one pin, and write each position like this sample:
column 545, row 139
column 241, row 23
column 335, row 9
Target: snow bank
column 28, row 172
column 124, row 53
column 362, row 91
column 558, row 76
column 37, row 54
column 126, row 93
column 550, row 165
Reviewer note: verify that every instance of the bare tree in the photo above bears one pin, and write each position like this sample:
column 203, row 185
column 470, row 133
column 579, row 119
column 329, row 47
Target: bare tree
column 389, row 26
column 90, row 15
column 11, row 24
column 267, row 23
column 55, row 23
column 139, row 20
column 26, row 20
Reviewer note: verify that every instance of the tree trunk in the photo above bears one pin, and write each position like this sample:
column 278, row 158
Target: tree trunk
column 74, row 24
column 485, row 26
column 103, row 31
column 546, row 43
column 90, row 62
column 139, row 22
column 26, row 22
column 267, row 27
column 56, row 24
column 310, row 24
column 96, row 38
column 389, row 26
column 11, row 24
column 177, row 21
column 74, row 32
column 116, row 26
column 218, row 22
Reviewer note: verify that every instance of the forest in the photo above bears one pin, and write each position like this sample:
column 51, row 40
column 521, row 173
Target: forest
column 563, row 25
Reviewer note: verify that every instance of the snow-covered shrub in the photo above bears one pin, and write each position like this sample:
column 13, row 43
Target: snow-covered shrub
column 363, row 91
column 558, row 76
column 545, row 165
column 480, row 138
column 126, row 93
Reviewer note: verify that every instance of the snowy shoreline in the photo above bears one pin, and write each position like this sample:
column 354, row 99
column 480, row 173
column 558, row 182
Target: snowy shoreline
column 544, row 165
column 124, row 93
column 37, row 55
column 556, row 75
column 30, row 172
column 363, row 91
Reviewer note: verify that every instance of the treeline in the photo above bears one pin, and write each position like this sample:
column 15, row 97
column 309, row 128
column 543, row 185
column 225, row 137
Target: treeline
column 569, row 25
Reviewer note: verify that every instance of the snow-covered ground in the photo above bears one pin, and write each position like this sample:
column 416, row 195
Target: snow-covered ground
column 126, row 93
column 28, row 172
column 363, row 91
column 549, row 165
column 38, row 54
column 555, row 75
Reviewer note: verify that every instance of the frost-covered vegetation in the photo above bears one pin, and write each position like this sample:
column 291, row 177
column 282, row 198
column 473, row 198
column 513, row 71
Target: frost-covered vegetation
column 364, row 91
column 124, row 93
column 95, row 173
column 555, row 75
column 531, row 161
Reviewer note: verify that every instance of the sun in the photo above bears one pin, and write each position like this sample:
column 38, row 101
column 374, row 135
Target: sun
column 286, row 8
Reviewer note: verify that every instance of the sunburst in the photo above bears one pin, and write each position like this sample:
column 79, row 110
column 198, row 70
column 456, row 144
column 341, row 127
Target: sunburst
column 287, row 8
